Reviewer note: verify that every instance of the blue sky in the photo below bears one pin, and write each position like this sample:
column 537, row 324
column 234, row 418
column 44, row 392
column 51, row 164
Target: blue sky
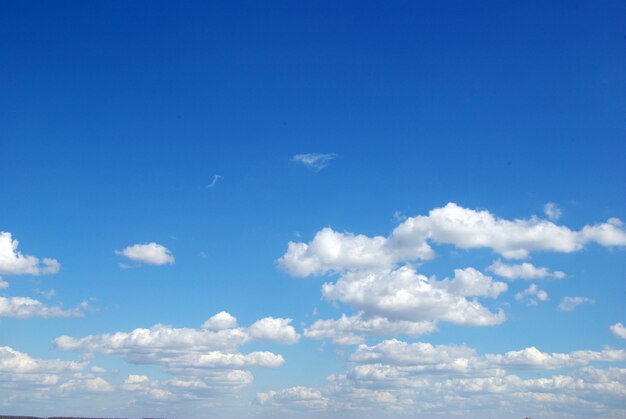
column 447, row 175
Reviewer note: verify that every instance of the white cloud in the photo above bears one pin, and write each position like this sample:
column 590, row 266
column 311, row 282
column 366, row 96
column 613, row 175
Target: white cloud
column 571, row 303
column 220, row 321
column 618, row 330
column 532, row 291
column 353, row 329
column 210, row 352
column 332, row 251
column 422, row 380
column 402, row 294
column 88, row 385
column 24, row 307
column 13, row 262
column 15, row 362
column 150, row 253
column 469, row 282
column 277, row 330
column 315, row 161
column 3, row 284
column 294, row 396
column 552, row 211
column 524, row 271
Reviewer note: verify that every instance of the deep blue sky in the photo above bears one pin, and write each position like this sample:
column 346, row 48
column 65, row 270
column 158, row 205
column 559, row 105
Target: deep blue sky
column 115, row 116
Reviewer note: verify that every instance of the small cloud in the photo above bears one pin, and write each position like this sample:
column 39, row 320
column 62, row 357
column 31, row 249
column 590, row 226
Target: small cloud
column 3, row 284
column 524, row 270
column 149, row 253
column 552, row 211
column 571, row 303
column 532, row 292
column 216, row 179
column 398, row 216
column 618, row 330
column 48, row 294
column 314, row 161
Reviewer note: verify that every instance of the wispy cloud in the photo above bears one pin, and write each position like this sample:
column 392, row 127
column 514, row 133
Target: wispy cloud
column 314, row 161
column 215, row 181
column 571, row 303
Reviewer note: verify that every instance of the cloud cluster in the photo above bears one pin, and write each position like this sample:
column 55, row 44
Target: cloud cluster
column 421, row 378
column 533, row 294
column 23, row 377
column 332, row 251
column 210, row 353
column 149, row 253
column 13, row 262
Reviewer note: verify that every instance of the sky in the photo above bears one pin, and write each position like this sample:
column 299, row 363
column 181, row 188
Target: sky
column 280, row 209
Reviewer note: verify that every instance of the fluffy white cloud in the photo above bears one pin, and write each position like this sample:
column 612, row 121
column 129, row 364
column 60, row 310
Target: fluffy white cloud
column 3, row 284
column 210, row 352
column 523, row 270
column 315, row 161
column 532, row 291
column 332, row 251
column 220, row 321
column 402, row 294
column 24, row 307
column 15, row 362
column 552, row 211
column 571, row 303
column 277, row 330
column 351, row 330
column 150, row 253
column 618, row 330
column 13, row 262
column 469, row 282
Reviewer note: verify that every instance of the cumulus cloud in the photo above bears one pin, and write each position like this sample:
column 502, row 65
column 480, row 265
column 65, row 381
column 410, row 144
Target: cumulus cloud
column 23, row 377
column 571, row 303
column 402, row 294
column 618, row 330
column 332, row 251
column 277, row 330
column 552, row 211
column 421, row 379
column 532, row 291
column 13, row 262
column 351, row 330
column 210, row 352
column 221, row 321
column 523, row 270
column 314, row 161
column 24, row 307
column 3, row 284
column 15, row 362
column 149, row 253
